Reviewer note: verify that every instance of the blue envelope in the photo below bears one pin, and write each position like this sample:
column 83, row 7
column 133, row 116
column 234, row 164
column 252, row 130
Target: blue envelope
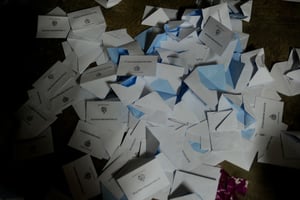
column 114, row 53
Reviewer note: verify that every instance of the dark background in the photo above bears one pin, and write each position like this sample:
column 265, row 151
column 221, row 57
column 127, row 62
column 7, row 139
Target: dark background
column 274, row 26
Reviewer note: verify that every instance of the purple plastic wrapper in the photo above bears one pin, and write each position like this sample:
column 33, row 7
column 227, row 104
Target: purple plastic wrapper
column 230, row 187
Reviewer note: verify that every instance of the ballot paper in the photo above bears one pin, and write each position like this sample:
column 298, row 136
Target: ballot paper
column 52, row 26
column 144, row 182
column 215, row 35
column 33, row 121
column 137, row 65
column 53, row 79
column 106, row 111
column 87, row 138
column 86, row 18
column 269, row 116
column 82, row 179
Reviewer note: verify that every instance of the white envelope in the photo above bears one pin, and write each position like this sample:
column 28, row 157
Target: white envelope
column 222, row 140
column 167, row 166
column 116, row 38
column 155, row 15
column 172, row 145
column 57, row 11
column 106, row 178
column 262, row 75
column 144, row 182
column 86, row 51
column 200, row 184
column 137, row 65
column 219, row 12
column 209, row 97
column 167, row 81
column 226, row 57
column 86, row 18
column 247, row 9
column 53, row 79
column 82, row 179
column 86, row 138
column 129, row 94
column 108, row 3
column 96, row 79
column 183, row 115
column 33, row 121
column 52, row 26
column 282, row 83
column 216, row 36
column 111, row 134
column 269, row 115
column 93, row 33
column 106, row 111
column 200, row 132
column 195, row 104
column 242, row 157
column 65, row 96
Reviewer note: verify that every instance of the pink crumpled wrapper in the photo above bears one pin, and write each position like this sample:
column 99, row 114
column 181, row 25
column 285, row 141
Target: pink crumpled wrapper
column 230, row 187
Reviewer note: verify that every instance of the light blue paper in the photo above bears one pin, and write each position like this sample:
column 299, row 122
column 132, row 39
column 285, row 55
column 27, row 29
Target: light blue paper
column 115, row 53
column 163, row 88
column 212, row 76
column 135, row 112
column 197, row 147
column 248, row 133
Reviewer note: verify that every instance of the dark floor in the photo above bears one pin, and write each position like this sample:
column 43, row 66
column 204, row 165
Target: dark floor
column 275, row 26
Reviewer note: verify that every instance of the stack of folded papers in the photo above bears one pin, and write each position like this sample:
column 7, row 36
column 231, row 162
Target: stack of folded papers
column 163, row 108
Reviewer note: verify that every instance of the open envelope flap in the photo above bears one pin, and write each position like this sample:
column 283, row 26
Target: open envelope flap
column 205, row 187
column 262, row 75
column 129, row 93
column 153, row 102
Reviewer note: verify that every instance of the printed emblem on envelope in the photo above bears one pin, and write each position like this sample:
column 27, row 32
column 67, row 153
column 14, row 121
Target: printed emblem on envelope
column 137, row 68
column 103, row 109
column 141, row 177
column 54, row 23
column 87, row 143
column 273, row 117
column 88, row 176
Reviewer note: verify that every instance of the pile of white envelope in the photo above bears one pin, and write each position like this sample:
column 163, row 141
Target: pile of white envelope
column 163, row 108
